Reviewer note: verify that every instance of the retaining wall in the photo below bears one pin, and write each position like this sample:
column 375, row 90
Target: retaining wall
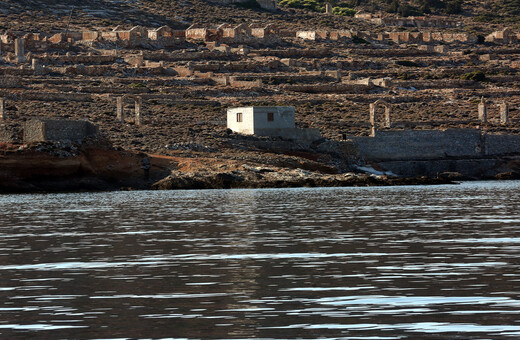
column 421, row 145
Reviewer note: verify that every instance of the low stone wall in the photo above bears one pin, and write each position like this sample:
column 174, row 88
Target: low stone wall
column 39, row 130
column 328, row 88
column 55, row 96
column 78, row 59
column 295, row 53
column 439, row 84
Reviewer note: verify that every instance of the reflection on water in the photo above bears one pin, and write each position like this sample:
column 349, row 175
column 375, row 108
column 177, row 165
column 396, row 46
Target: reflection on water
column 355, row 263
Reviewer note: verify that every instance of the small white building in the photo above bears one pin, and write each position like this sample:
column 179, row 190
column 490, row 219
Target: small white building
column 275, row 121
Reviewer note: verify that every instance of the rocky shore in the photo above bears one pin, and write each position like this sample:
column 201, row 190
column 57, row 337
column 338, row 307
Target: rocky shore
column 95, row 165
column 64, row 167
column 261, row 177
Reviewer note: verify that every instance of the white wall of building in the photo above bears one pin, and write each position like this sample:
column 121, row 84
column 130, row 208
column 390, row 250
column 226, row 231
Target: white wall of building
column 255, row 119
column 245, row 127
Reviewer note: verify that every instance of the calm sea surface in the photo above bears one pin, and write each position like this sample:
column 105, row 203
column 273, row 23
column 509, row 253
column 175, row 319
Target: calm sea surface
column 439, row 262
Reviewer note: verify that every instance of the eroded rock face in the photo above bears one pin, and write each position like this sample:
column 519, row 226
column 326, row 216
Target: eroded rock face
column 90, row 166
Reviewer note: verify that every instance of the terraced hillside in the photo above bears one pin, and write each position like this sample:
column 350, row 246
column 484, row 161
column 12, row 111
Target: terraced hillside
column 432, row 71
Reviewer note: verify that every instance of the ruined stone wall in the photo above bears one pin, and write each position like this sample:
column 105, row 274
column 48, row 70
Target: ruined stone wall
column 390, row 52
column 55, row 96
column 196, row 33
column 295, row 53
column 10, row 134
column 329, row 88
column 78, row 59
column 236, row 82
column 438, row 84
column 183, row 56
column 38, row 130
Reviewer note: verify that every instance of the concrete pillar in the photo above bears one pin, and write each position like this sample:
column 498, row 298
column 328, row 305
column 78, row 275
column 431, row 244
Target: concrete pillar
column 138, row 103
column 119, row 109
column 328, row 8
column 482, row 111
column 19, row 50
column 2, row 109
column 504, row 113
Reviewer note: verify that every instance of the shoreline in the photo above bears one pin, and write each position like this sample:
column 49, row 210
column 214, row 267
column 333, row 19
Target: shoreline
column 96, row 166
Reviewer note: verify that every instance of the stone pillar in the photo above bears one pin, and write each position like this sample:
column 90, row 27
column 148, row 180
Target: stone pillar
column 2, row 109
column 119, row 110
column 19, row 50
column 138, row 103
column 504, row 113
column 373, row 119
column 388, row 123
column 35, row 64
column 328, row 8
column 482, row 111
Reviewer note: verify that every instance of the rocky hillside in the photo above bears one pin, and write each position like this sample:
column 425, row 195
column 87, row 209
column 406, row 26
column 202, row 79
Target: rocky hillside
column 53, row 16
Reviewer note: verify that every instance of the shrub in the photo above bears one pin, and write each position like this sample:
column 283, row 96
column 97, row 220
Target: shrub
column 454, row 7
column 475, row 76
column 136, row 85
column 249, row 4
column 485, row 17
column 302, row 4
column 407, row 63
column 358, row 40
column 344, row 11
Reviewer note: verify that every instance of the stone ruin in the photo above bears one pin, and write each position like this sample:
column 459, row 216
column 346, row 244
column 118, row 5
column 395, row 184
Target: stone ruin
column 373, row 108
column 44, row 130
column 120, row 105
column 41, row 130
column 503, row 112
column 228, row 34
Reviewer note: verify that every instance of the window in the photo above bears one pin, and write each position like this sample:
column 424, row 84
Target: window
column 239, row 117
column 270, row 116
